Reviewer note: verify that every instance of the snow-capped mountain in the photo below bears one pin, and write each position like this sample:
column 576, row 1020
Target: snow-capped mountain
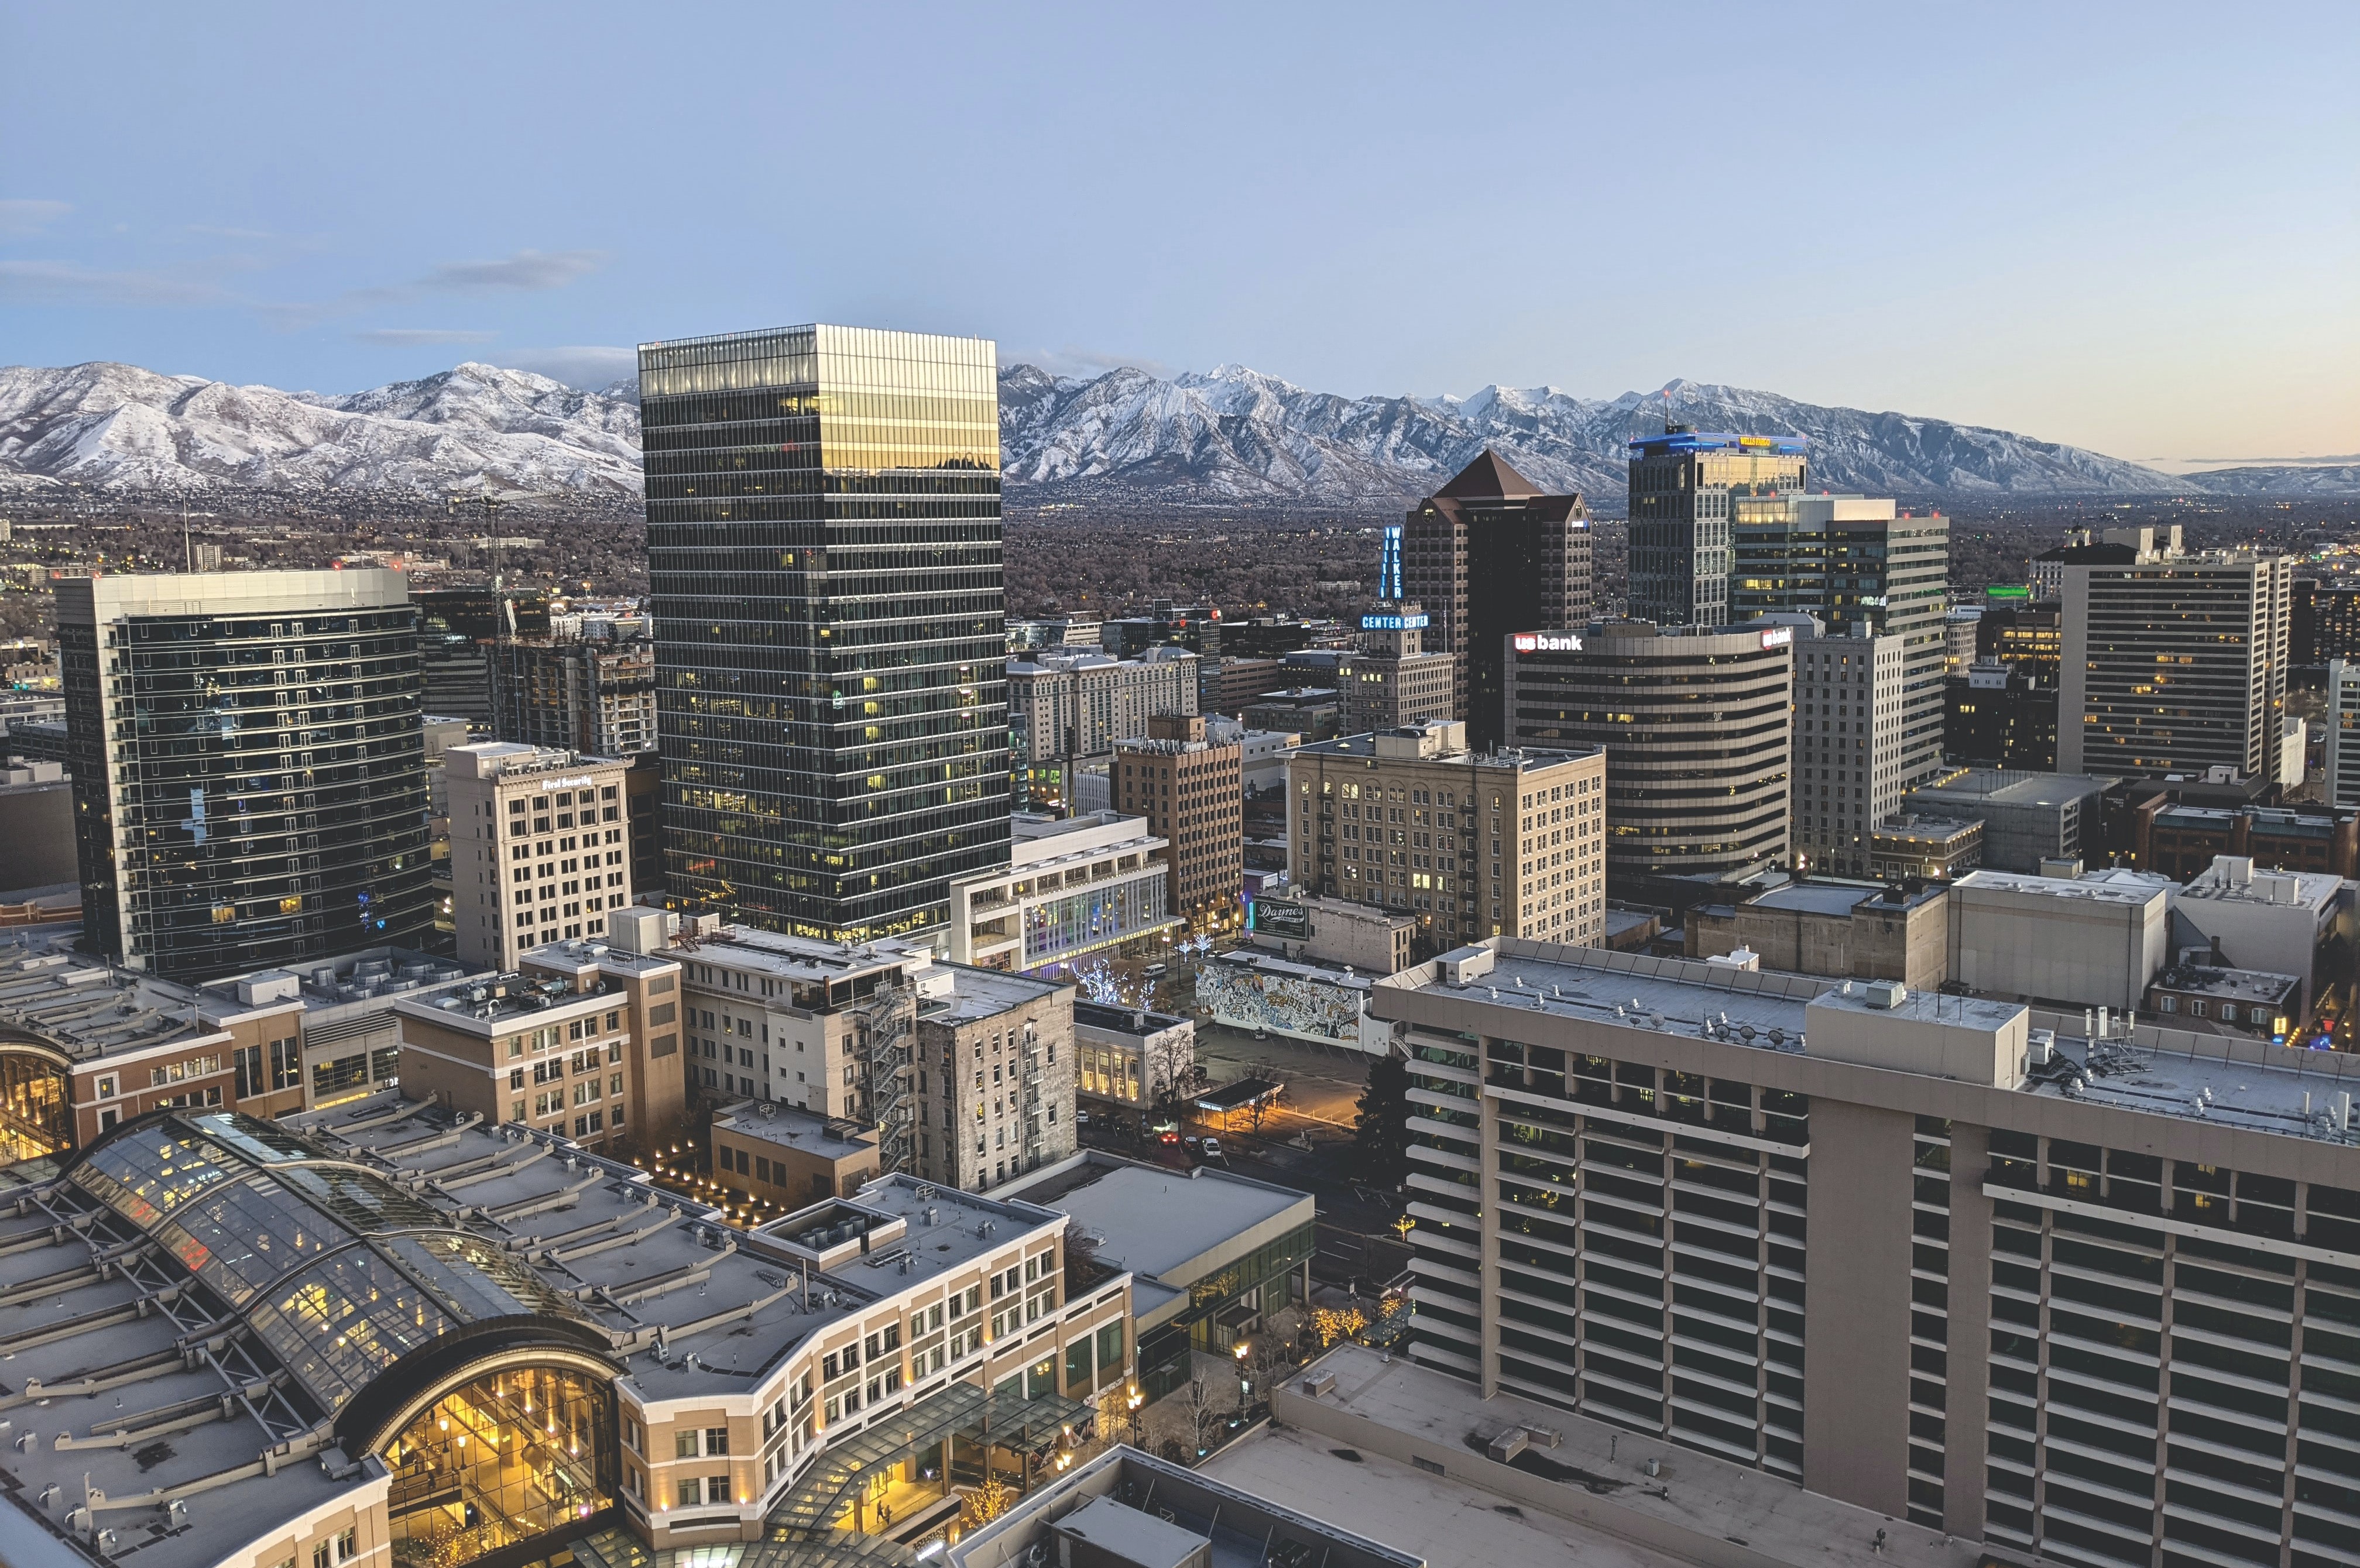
column 1231, row 434
column 1236, row 433
column 118, row 427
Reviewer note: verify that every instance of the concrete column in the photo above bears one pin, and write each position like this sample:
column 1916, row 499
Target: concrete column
column 1487, row 1198
column 1967, row 1410
column 1856, row 1294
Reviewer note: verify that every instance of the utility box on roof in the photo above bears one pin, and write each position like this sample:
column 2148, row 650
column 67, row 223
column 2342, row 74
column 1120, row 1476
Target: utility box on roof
column 1104, row 1533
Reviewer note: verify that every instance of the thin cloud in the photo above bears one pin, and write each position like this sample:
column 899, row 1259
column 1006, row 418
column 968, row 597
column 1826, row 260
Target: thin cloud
column 1085, row 363
column 70, row 283
column 411, row 337
column 526, row 270
column 588, row 367
column 23, row 217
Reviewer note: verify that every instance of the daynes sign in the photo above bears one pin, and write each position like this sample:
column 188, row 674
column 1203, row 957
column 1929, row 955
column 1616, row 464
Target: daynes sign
column 1546, row 642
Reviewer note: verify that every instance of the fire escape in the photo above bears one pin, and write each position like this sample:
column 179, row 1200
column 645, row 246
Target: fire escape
column 1029, row 1081
column 886, row 1024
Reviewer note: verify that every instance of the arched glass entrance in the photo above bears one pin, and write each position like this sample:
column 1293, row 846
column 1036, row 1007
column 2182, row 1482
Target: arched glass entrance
column 35, row 1111
column 509, row 1456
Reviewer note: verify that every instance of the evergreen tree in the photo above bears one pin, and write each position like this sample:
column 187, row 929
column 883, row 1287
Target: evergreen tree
column 1381, row 1132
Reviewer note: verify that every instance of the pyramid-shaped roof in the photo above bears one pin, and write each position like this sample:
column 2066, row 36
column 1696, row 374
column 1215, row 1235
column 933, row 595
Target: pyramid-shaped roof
column 1486, row 478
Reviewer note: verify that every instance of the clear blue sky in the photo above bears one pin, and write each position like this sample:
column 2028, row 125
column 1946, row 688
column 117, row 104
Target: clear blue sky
column 2129, row 227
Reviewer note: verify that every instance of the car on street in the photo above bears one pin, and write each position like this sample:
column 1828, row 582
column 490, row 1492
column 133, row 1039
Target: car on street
column 1194, row 1145
column 1211, row 1149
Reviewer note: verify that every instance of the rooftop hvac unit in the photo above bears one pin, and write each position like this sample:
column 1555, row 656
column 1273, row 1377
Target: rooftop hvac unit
column 1319, row 1383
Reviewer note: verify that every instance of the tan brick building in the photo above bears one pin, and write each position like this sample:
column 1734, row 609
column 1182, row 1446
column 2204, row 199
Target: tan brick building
column 1191, row 791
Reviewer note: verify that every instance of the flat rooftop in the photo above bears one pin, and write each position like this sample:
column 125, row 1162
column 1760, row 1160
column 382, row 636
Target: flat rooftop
column 789, row 1127
column 796, row 957
column 1267, row 963
column 85, row 1007
column 984, row 994
column 2231, row 985
column 2098, row 889
column 1137, row 1022
column 2162, row 1073
column 1813, row 897
column 2009, row 787
column 1599, row 1471
column 1156, row 1220
column 1672, row 995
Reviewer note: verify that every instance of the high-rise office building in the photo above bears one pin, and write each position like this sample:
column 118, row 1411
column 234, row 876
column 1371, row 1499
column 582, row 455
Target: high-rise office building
column 1861, row 568
column 1394, row 680
column 1189, row 790
column 823, row 556
column 2175, row 665
column 1472, row 844
column 1945, row 1260
column 2343, row 722
column 250, row 767
column 1849, row 708
column 1486, row 555
column 2326, row 621
column 1696, row 722
column 540, row 848
column 1683, row 485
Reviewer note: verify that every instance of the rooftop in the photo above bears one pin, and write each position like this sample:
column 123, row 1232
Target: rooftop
column 2009, row 787
column 1718, row 441
column 511, row 759
column 2232, row 880
column 1815, row 898
column 86, row 1008
column 2097, row 888
column 1270, row 964
column 1138, row 1021
column 798, row 957
column 790, row 1127
column 2296, row 1093
column 1152, row 1220
column 2231, row 985
column 984, row 992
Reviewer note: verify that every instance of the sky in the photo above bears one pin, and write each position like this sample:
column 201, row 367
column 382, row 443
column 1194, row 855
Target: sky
column 2127, row 227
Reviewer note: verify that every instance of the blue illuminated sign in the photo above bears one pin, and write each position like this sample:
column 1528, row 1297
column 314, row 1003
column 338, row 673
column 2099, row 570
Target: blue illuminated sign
column 1391, row 622
column 1389, row 565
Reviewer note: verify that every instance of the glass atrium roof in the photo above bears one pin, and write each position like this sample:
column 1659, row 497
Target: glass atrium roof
column 336, row 1270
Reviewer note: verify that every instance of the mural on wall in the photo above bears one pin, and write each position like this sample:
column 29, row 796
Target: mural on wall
column 1308, row 1006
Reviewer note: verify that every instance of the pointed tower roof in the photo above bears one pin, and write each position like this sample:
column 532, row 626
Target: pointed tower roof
column 1488, row 478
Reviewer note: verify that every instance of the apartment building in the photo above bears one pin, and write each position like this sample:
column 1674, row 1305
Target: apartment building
column 996, row 1077
column 1191, row 792
column 1932, row 1257
column 582, row 1041
column 595, row 695
column 1469, row 842
column 1068, row 707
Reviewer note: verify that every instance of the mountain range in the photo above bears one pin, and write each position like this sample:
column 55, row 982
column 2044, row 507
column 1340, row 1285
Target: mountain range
column 1232, row 435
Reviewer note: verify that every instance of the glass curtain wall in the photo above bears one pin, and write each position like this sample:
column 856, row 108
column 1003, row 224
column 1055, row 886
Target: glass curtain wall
column 824, row 541
column 507, row 1457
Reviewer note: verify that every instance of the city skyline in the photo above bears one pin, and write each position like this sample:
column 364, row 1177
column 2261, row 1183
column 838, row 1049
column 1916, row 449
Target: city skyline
column 2186, row 157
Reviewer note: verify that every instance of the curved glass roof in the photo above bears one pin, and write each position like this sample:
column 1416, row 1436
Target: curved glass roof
column 337, row 1270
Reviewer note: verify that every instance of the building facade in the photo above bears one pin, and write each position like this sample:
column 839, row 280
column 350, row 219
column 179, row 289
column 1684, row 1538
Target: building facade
column 1132, row 1058
column 1861, row 569
column 1486, row 555
column 1683, row 486
column 1078, row 886
column 1393, row 680
column 250, row 767
column 996, row 1072
column 1470, row 844
column 1926, row 1264
column 540, row 848
column 594, row 695
column 2175, row 665
column 824, row 562
column 1067, row 709
column 1851, row 728
column 1696, row 728
column 1192, row 794
column 2343, row 721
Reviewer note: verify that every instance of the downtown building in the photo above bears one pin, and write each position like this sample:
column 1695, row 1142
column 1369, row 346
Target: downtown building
column 1942, row 1258
column 540, row 848
column 1486, row 555
column 1192, row 795
column 1684, row 486
column 249, row 769
column 1393, row 680
column 2176, row 665
column 1066, row 708
column 591, row 694
column 1851, row 709
column 1469, row 844
column 823, row 556
column 1696, row 728
column 1861, row 569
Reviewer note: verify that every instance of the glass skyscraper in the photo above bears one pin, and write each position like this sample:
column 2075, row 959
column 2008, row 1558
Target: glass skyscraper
column 823, row 545
column 250, row 767
column 1682, row 486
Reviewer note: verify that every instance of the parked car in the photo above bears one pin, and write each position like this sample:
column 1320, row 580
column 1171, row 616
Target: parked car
column 1212, row 1150
column 1196, row 1146
column 1081, row 1118
column 1156, row 971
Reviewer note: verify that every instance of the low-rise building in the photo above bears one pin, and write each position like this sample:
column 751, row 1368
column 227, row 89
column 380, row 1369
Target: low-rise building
column 1335, row 932
column 775, row 1156
column 2028, row 817
column 1131, row 1057
column 579, row 1043
column 1210, row 1253
column 2208, row 998
column 1840, row 930
column 2085, row 941
column 2179, row 838
column 2291, row 922
column 1296, row 1001
column 1940, row 849
column 1073, row 885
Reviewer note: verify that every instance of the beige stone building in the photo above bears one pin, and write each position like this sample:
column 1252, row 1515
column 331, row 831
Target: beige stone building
column 540, row 848
column 1507, row 842
column 995, row 1084
column 1839, row 930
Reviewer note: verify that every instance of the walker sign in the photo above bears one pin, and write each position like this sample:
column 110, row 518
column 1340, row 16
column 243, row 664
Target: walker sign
column 1546, row 642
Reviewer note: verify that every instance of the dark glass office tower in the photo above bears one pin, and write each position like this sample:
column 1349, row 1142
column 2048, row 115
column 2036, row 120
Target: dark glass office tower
column 250, row 767
column 831, row 649
column 1682, row 483
column 1488, row 555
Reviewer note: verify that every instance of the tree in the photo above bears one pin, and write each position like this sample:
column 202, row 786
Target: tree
column 1380, row 1131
